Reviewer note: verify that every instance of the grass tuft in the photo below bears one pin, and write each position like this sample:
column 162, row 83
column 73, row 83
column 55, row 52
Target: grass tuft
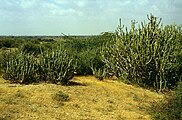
column 61, row 97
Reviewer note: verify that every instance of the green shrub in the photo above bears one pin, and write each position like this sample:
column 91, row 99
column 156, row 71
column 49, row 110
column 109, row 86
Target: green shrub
column 92, row 60
column 87, row 52
column 99, row 73
column 144, row 55
column 19, row 67
column 82, row 67
column 9, row 42
column 61, row 97
column 171, row 108
column 31, row 48
column 6, row 43
column 1, row 63
column 56, row 66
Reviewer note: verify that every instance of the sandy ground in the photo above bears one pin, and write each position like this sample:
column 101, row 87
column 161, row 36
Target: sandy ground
column 89, row 99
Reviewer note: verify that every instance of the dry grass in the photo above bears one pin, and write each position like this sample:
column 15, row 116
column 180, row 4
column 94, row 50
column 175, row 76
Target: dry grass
column 89, row 99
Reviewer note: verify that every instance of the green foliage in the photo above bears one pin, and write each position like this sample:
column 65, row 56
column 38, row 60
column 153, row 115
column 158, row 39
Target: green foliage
column 61, row 97
column 19, row 94
column 1, row 63
column 19, row 67
column 149, row 54
column 91, row 59
column 35, row 47
column 87, row 52
column 8, row 42
column 95, row 63
column 31, row 48
column 99, row 73
column 47, row 46
column 56, row 66
column 144, row 55
column 171, row 109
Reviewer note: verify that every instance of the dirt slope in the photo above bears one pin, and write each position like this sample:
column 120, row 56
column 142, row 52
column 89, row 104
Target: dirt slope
column 89, row 99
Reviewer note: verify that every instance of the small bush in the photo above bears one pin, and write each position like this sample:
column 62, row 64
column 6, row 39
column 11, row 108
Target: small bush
column 19, row 94
column 99, row 73
column 61, row 97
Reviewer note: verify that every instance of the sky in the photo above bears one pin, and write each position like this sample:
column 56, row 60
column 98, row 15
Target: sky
column 81, row 17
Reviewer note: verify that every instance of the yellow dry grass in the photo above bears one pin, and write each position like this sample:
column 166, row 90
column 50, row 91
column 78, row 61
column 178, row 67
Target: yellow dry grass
column 89, row 99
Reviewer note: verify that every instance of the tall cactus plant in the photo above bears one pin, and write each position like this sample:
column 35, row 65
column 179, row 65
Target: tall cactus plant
column 20, row 67
column 56, row 66
column 142, row 55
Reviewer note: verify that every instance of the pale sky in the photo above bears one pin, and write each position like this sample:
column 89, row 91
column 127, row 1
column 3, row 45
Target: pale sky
column 80, row 17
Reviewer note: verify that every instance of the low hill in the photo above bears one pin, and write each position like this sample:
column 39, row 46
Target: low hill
column 85, row 99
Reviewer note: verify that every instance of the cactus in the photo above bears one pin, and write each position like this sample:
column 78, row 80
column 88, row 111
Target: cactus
column 142, row 55
column 19, row 67
column 99, row 73
column 56, row 66
column 53, row 66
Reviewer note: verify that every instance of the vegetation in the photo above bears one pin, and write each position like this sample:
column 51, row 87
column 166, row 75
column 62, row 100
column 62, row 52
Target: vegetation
column 61, row 97
column 149, row 55
column 146, row 55
column 170, row 108
column 20, row 67
column 88, row 99
column 54, row 66
column 31, row 48
column 9, row 43
column 86, row 51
